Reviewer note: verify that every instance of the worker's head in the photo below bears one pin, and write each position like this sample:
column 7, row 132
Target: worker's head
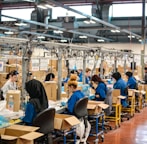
column 129, row 74
column 95, row 80
column 88, row 72
column 72, row 83
column 12, row 76
column 116, row 76
column 50, row 77
column 145, row 69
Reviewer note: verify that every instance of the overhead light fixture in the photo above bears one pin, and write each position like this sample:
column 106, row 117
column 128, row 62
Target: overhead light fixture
column 41, row 37
column 48, row 6
column 9, row 32
column 44, row 6
column 131, row 36
column 140, row 40
column 115, row 31
column 83, row 37
column 63, row 40
column 41, row 6
column 20, row 24
column 58, row 31
column 100, row 40
column 89, row 22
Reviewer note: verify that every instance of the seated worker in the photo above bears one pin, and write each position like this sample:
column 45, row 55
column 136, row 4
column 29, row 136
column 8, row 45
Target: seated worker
column 76, row 94
column 50, row 77
column 131, row 83
column 38, row 100
column 145, row 75
column 119, row 83
column 11, row 82
column 87, row 76
column 100, row 88
column 68, row 77
column 82, row 131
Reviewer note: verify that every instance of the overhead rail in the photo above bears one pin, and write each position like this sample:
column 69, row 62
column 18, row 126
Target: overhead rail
column 57, row 28
column 92, row 18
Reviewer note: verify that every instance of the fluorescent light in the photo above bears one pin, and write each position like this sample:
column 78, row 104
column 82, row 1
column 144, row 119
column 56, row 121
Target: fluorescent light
column 63, row 40
column 41, row 6
column 100, row 40
column 117, row 31
column 58, row 31
column 9, row 32
column 140, row 40
column 20, row 24
column 41, row 37
column 48, row 6
column 83, row 37
column 93, row 22
column 113, row 31
column 87, row 22
column 131, row 36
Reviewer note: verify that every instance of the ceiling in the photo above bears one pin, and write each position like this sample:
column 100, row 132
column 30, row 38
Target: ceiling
column 102, row 28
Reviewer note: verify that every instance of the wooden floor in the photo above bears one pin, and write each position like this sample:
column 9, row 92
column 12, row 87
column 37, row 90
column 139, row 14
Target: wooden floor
column 133, row 131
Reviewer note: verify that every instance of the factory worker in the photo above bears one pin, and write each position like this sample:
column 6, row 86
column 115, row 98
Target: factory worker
column 119, row 83
column 100, row 88
column 38, row 100
column 76, row 94
column 83, row 129
column 87, row 76
column 50, row 77
column 131, row 83
column 11, row 82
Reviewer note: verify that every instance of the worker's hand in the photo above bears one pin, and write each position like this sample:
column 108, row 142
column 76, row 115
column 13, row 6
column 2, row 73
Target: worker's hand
column 97, row 96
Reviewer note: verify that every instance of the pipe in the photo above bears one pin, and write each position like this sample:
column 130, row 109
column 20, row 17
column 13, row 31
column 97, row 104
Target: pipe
column 143, row 35
column 92, row 18
column 57, row 28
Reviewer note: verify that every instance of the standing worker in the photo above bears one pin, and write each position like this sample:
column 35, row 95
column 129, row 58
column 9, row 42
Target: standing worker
column 11, row 82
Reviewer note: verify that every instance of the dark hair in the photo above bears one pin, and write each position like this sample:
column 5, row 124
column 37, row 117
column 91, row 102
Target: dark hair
column 145, row 68
column 116, row 75
column 96, row 79
column 49, row 76
column 103, row 70
column 129, row 74
column 12, row 73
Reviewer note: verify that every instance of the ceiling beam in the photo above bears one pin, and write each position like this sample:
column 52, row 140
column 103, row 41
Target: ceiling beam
column 92, row 18
column 58, row 28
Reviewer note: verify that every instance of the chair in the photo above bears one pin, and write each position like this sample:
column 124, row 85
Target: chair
column 80, row 109
column 45, row 120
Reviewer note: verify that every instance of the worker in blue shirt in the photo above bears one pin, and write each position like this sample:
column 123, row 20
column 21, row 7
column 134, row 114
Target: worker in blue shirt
column 122, row 85
column 87, row 76
column 100, row 88
column 38, row 100
column 131, row 83
column 76, row 94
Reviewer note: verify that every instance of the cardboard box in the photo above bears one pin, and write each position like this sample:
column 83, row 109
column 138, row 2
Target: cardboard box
column 115, row 94
column 51, row 90
column 65, row 122
column 95, row 107
column 12, row 67
column 64, row 95
column 3, row 76
column 16, row 96
column 19, row 134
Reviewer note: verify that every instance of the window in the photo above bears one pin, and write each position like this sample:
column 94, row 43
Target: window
column 126, row 10
column 18, row 13
column 61, row 12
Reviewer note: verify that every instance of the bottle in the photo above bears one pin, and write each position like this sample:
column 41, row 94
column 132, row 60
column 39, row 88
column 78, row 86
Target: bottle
column 11, row 103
